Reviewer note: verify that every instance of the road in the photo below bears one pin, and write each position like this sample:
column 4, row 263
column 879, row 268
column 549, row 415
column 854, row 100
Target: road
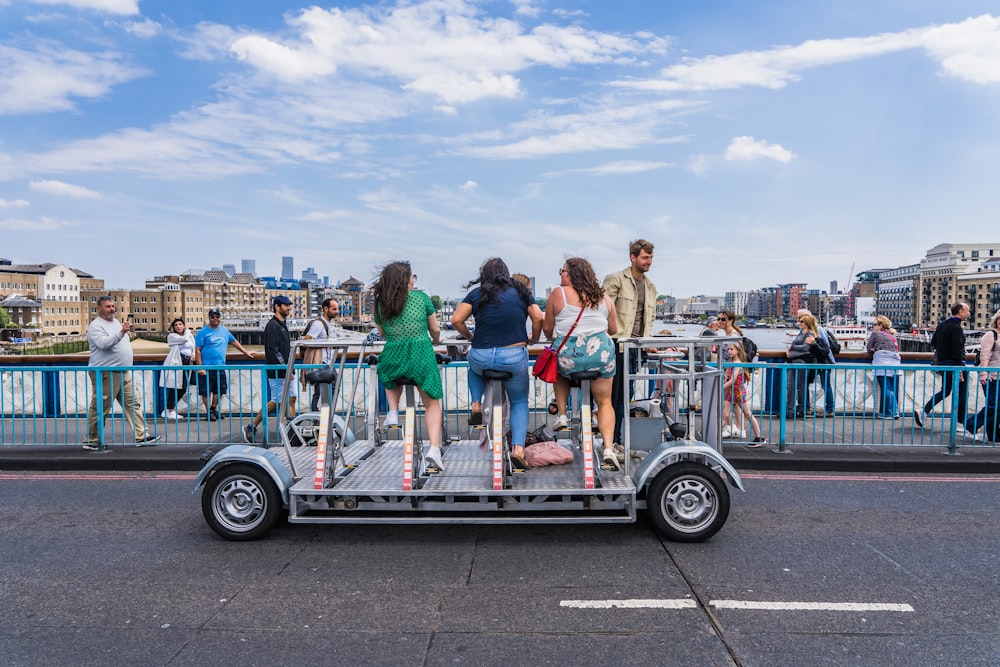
column 121, row 569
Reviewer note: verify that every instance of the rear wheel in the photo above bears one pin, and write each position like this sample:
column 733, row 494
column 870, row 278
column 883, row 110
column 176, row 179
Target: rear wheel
column 241, row 502
column 688, row 502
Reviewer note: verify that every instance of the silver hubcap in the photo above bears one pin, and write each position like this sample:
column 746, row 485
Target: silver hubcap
column 689, row 503
column 240, row 503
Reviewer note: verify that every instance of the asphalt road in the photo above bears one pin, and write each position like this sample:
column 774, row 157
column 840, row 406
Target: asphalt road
column 99, row 569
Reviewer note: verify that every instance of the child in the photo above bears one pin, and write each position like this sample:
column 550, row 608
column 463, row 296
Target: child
column 735, row 394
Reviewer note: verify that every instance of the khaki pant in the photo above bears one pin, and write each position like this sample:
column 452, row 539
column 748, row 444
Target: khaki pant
column 115, row 386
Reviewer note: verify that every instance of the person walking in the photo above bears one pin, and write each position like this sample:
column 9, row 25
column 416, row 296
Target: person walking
column 175, row 383
column 319, row 329
column 989, row 357
column 277, row 347
column 633, row 295
column 948, row 342
column 109, row 345
column 210, row 346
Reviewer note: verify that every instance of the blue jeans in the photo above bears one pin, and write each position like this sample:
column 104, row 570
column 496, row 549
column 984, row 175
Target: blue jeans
column 988, row 415
column 828, row 396
column 888, row 387
column 515, row 361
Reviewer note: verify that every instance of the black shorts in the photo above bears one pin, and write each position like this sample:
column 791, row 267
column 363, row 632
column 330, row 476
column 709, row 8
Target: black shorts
column 213, row 382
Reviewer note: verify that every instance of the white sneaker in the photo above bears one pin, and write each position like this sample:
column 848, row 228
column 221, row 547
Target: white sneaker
column 562, row 423
column 163, row 415
column 981, row 437
column 743, row 435
column 961, row 432
column 171, row 415
column 727, row 432
column 433, row 457
column 611, row 459
column 391, row 419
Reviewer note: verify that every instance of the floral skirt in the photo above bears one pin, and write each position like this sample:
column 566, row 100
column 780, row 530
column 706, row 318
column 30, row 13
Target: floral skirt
column 593, row 352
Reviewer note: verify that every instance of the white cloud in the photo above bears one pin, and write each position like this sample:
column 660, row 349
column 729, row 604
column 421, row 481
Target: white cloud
column 39, row 225
column 64, row 189
column 621, row 167
column 446, row 48
column 144, row 28
column 13, row 203
column 969, row 50
column 123, row 7
column 321, row 216
column 50, row 77
column 748, row 148
column 207, row 41
column 469, row 185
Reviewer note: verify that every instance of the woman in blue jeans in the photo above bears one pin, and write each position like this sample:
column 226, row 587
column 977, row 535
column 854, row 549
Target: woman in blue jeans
column 883, row 348
column 989, row 360
column 501, row 307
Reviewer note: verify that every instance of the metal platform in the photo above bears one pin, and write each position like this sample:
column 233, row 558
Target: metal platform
column 370, row 489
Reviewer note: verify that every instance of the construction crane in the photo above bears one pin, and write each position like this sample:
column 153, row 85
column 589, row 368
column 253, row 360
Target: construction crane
column 850, row 280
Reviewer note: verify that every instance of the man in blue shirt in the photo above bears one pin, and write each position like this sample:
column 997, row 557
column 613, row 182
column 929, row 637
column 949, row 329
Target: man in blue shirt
column 211, row 344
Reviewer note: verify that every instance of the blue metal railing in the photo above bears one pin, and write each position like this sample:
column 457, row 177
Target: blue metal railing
column 49, row 404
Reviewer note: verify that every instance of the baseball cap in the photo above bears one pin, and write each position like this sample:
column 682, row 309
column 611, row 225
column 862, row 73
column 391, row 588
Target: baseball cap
column 282, row 299
column 712, row 319
column 214, row 312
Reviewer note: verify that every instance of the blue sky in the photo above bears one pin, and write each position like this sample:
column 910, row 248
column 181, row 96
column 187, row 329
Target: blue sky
column 753, row 143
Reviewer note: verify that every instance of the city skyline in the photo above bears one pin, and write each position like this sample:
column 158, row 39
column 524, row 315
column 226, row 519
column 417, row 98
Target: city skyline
column 752, row 144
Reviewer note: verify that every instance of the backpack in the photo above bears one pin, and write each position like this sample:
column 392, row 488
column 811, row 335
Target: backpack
column 979, row 351
column 832, row 340
column 314, row 355
column 750, row 348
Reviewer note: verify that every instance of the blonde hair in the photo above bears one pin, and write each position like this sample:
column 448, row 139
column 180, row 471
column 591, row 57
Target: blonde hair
column 741, row 357
column 886, row 323
column 810, row 323
column 993, row 322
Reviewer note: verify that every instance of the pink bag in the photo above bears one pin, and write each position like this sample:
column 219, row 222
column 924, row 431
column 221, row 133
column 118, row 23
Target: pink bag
column 548, row 453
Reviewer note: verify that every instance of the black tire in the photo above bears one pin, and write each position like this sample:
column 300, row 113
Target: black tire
column 241, row 502
column 687, row 502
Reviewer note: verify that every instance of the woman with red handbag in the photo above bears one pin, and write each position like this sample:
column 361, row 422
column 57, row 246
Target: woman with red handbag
column 581, row 316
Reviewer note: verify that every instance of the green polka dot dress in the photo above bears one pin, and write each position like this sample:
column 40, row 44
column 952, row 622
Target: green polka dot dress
column 408, row 351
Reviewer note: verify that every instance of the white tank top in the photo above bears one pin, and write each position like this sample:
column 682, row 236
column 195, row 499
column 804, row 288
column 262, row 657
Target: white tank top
column 593, row 320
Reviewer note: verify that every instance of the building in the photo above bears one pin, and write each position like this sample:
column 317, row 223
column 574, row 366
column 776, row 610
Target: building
column 358, row 309
column 230, row 269
column 981, row 290
column 249, row 266
column 57, row 288
column 24, row 313
column 894, row 295
column 937, row 286
column 288, row 268
column 736, row 302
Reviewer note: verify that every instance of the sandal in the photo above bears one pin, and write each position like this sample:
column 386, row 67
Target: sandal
column 518, row 462
column 476, row 418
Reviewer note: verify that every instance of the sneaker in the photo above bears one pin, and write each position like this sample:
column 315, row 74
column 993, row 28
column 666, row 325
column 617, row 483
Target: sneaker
column 213, row 415
column 743, row 435
column 727, row 432
column 92, row 446
column 562, row 423
column 248, row 434
column 148, row 441
column 611, row 459
column 163, row 415
column 980, row 437
column 919, row 416
column 171, row 415
column 391, row 419
column 433, row 457
column 758, row 442
column 961, row 432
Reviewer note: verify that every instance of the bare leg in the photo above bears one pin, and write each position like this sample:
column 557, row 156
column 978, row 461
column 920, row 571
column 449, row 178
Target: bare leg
column 600, row 389
column 562, row 394
column 392, row 397
column 432, row 418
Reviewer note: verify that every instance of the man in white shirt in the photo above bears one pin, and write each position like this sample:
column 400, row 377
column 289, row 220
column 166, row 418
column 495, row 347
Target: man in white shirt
column 319, row 329
column 110, row 346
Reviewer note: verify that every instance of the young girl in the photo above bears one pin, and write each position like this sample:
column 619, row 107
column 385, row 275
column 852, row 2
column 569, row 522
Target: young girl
column 735, row 394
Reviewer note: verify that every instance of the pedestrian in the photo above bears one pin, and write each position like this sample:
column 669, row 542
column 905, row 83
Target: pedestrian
column 883, row 348
column 808, row 347
column 824, row 375
column 948, row 342
column 581, row 310
column 500, row 306
column 633, row 295
column 989, row 357
column 319, row 329
column 109, row 345
column 210, row 344
column 737, row 407
column 277, row 347
column 406, row 321
column 181, row 352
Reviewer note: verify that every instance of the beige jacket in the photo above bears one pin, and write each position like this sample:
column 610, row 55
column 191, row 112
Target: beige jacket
column 620, row 286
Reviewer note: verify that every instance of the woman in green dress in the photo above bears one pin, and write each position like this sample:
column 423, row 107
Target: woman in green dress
column 405, row 319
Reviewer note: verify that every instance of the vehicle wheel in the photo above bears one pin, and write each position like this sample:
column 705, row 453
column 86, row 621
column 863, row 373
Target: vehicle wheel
column 688, row 502
column 241, row 502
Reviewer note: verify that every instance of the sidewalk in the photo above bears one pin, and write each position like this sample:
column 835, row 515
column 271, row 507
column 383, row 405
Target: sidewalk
column 804, row 458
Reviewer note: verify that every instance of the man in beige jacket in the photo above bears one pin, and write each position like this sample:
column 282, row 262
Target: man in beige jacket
column 634, row 296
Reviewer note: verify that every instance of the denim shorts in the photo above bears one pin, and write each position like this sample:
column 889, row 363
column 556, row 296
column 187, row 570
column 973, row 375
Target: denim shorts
column 276, row 386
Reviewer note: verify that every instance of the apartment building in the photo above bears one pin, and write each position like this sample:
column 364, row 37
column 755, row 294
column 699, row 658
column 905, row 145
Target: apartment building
column 57, row 288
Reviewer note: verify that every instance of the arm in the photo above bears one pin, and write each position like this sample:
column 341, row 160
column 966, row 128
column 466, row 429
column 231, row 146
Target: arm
column 554, row 303
column 612, row 316
column 535, row 314
column 100, row 339
column 246, row 353
column 434, row 329
column 462, row 313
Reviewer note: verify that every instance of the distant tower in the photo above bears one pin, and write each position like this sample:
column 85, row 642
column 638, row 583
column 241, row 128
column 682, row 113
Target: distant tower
column 250, row 266
column 288, row 268
column 309, row 275
column 230, row 269
column 833, row 287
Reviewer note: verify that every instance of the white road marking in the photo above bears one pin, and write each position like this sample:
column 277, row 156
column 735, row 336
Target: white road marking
column 629, row 604
column 809, row 606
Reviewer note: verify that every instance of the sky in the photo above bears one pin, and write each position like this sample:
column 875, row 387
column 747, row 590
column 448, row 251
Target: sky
column 753, row 143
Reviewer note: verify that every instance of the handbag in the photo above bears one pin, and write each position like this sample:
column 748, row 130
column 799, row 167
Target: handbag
column 546, row 366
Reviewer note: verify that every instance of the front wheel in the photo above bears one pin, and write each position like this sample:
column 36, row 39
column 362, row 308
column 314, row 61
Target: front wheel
column 687, row 502
column 241, row 502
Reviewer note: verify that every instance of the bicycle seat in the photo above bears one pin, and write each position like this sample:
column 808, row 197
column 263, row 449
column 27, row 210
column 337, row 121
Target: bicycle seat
column 491, row 374
column 405, row 382
column 371, row 360
column 576, row 378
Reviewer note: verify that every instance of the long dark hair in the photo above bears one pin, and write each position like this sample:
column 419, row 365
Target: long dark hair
column 494, row 278
column 390, row 290
column 731, row 316
column 176, row 320
column 584, row 281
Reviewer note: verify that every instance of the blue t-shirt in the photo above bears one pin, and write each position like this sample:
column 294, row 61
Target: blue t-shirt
column 499, row 323
column 213, row 344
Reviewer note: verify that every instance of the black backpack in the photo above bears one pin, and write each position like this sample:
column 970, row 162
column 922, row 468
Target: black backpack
column 750, row 348
column 834, row 343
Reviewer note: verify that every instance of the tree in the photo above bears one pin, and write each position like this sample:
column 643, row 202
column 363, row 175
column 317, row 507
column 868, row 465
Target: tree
column 4, row 317
column 436, row 300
